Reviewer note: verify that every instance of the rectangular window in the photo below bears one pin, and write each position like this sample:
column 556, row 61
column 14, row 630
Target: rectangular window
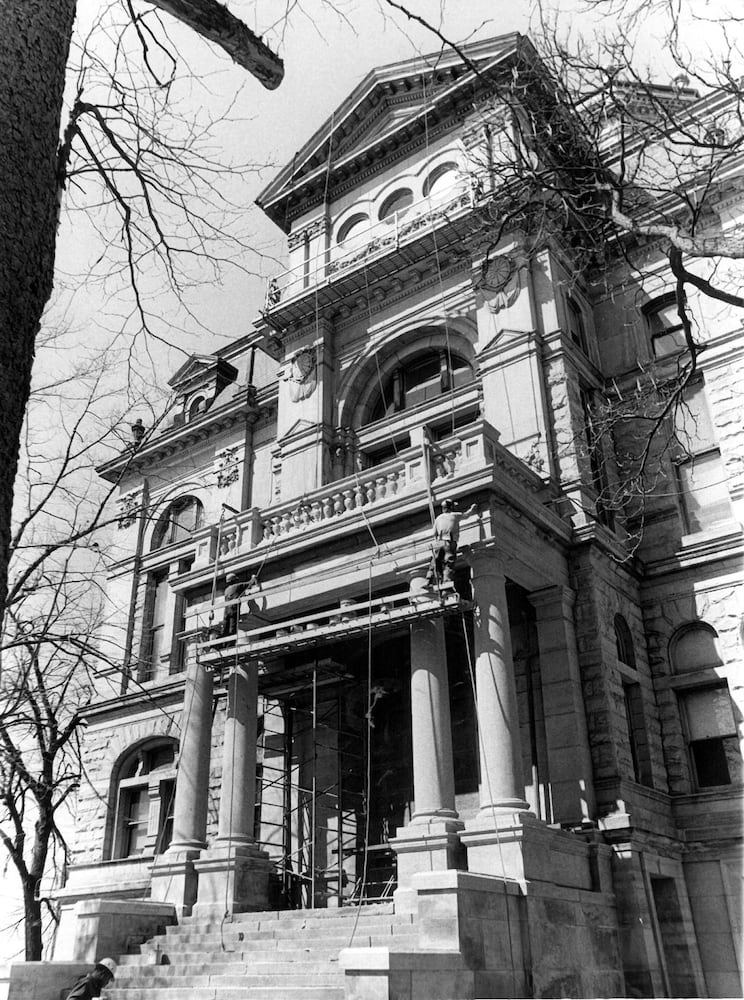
column 576, row 328
column 637, row 734
column 597, row 462
column 154, row 640
column 705, row 496
column 713, row 741
column 135, row 812
column 702, row 484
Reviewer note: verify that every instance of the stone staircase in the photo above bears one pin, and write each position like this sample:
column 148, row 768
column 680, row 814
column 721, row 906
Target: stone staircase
column 275, row 955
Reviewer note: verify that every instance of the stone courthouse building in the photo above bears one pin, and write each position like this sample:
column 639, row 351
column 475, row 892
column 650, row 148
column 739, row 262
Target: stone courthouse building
column 530, row 774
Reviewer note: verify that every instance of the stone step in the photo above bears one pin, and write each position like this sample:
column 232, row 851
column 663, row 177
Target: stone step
column 216, row 942
column 227, row 993
column 384, row 921
column 244, row 979
column 310, row 965
column 328, row 913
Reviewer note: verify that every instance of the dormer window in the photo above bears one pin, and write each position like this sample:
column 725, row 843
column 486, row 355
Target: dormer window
column 197, row 407
column 396, row 204
column 665, row 326
column 442, row 182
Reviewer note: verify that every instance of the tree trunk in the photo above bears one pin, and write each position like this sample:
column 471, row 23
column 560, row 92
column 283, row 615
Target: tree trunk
column 32, row 921
column 34, row 45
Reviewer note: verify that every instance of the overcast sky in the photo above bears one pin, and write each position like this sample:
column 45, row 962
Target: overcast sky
column 326, row 53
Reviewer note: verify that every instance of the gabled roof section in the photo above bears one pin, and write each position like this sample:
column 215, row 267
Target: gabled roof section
column 387, row 109
column 202, row 368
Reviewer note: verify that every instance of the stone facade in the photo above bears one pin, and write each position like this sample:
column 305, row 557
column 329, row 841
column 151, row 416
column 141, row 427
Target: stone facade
column 526, row 759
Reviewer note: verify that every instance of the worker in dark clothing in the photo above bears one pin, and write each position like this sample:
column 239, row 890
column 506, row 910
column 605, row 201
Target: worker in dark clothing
column 446, row 537
column 91, row 984
column 235, row 588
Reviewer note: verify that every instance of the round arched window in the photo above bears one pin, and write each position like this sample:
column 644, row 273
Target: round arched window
column 197, row 407
column 143, row 800
column 442, row 181
column 178, row 521
column 354, row 231
column 694, row 647
column 422, row 377
column 396, row 204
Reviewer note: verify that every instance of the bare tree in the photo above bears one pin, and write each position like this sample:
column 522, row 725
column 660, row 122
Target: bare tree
column 51, row 655
column 35, row 169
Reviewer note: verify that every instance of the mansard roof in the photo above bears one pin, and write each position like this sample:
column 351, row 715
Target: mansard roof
column 390, row 108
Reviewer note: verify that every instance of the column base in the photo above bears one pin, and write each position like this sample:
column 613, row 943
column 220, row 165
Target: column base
column 428, row 846
column 520, row 846
column 174, row 879
column 233, row 878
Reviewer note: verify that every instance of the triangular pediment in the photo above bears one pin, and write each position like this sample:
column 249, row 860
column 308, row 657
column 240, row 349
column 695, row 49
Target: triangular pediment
column 202, row 368
column 386, row 109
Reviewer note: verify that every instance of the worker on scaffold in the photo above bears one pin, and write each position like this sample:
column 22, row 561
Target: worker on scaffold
column 235, row 589
column 446, row 537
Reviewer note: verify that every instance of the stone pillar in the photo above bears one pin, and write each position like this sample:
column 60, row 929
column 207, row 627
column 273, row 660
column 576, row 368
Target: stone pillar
column 430, row 842
column 234, row 873
column 501, row 781
column 503, row 809
column 570, row 765
column 174, row 878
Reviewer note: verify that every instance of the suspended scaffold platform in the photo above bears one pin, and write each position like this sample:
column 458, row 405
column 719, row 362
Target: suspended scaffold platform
column 338, row 624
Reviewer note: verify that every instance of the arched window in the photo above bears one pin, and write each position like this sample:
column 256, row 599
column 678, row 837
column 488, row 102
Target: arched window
column 177, row 522
column 442, row 182
column 354, row 231
column 425, row 376
column 694, row 647
column 143, row 800
column 624, row 642
column 706, row 708
column 197, row 407
column 397, row 202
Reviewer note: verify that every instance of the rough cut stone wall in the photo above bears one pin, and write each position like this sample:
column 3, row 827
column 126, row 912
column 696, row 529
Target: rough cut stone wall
column 603, row 589
column 667, row 606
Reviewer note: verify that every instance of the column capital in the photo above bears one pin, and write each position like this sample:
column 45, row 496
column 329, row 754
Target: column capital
column 484, row 559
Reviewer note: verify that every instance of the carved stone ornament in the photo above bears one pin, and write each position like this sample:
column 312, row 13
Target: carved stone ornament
column 227, row 467
column 301, row 373
column 500, row 284
column 128, row 509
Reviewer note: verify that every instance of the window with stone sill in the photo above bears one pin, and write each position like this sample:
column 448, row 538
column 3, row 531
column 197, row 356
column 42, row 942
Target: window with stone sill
column 635, row 715
column 665, row 326
column 712, row 736
column 701, row 479
column 708, row 715
column 576, row 325
column 144, row 798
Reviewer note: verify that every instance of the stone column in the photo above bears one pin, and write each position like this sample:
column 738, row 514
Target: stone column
column 431, row 727
column 430, row 842
column 174, row 878
column 501, row 781
column 233, row 873
column 493, row 837
column 570, row 765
